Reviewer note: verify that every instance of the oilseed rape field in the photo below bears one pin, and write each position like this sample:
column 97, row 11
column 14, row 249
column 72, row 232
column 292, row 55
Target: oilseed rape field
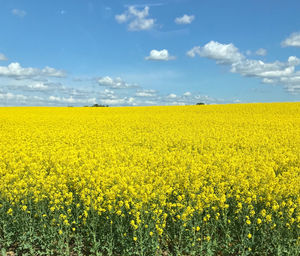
column 171, row 180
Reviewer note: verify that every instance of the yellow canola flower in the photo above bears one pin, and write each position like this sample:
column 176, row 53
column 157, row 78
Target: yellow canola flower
column 153, row 163
column 10, row 211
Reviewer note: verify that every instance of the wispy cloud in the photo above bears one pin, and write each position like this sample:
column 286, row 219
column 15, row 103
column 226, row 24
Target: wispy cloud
column 146, row 4
column 261, row 52
column 18, row 12
column 2, row 57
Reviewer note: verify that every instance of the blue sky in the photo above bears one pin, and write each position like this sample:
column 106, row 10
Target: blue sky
column 139, row 53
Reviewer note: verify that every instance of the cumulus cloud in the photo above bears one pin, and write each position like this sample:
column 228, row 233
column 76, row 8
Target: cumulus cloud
column 292, row 40
column 172, row 96
column 158, row 99
column 2, row 56
column 271, row 73
column 189, row 98
column 115, row 83
column 185, row 19
column 194, row 51
column 145, row 93
column 258, row 68
column 71, row 100
column 11, row 96
column 222, row 53
column 121, row 18
column 136, row 19
column 187, row 94
column 19, row 99
column 15, row 70
column 23, row 99
column 261, row 52
column 127, row 101
column 33, row 86
column 18, row 12
column 160, row 55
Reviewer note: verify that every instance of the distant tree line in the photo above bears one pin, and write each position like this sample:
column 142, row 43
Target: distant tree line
column 200, row 103
column 98, row 106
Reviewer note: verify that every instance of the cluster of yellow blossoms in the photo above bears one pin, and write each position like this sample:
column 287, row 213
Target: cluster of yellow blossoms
column 159, row 163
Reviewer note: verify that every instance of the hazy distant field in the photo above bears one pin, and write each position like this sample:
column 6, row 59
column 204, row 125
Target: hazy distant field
column 189, row 180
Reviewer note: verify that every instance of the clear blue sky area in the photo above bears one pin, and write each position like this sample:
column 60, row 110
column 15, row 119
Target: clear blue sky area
column 140, row 53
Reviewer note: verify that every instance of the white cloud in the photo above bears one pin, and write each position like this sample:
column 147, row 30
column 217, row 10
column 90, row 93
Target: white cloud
column 261, row 52
column 32, row 93
column 106, row 81
column 160, row 55
column 141, row 24
column 121, row 18
column 172, row 96
column 292, row 40
column 11, row 96
column 270, row 73
column 71, row 100
column 15, row 70
column 115, row 83
column 274, row 73
column 145, row 93
column 194, row 51
column 259, row 68
column 222, row 53
column 18, row 12
column 293, row 61
column 17, row 99
column 38, row 86
column 137, row 19
column 187, row 94
column 108, row 92
column 2, row 56
column 25, row 85
column 268, row 81
column 188, row 98
column 147, row 4
column 150, row 102
column 185, row 19
column 129, row 101
column 139, row 14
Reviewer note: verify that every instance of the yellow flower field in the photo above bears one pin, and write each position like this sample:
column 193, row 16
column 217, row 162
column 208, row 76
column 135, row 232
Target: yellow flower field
column 189, row 180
